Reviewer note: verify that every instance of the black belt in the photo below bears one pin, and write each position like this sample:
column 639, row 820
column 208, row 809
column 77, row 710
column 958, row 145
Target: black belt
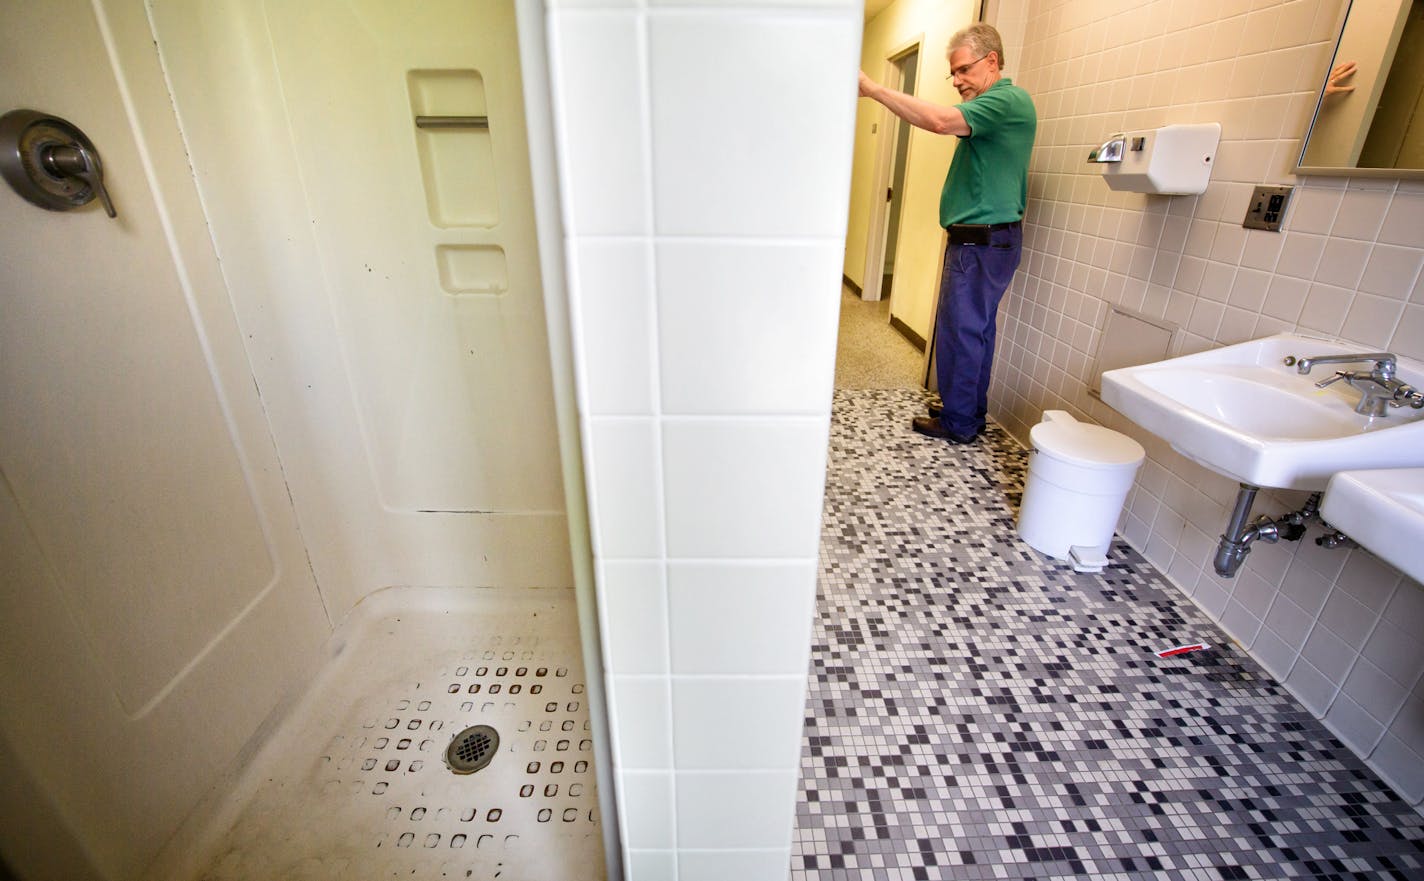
column 976, row 233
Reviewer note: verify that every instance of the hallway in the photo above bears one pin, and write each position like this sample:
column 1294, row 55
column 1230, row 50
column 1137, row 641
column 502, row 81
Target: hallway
column 977, row 711
column 870, row 353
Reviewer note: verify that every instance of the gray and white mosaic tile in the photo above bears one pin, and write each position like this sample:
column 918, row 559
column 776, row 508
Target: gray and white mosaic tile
column 979, row 711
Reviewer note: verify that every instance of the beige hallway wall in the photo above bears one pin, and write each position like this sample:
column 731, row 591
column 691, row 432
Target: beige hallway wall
column 931, row 23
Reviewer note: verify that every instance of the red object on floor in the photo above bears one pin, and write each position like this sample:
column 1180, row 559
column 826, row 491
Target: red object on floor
column 1183, row 649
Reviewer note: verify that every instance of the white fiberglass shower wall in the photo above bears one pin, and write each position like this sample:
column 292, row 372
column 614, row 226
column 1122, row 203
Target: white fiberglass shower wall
column 306, row 362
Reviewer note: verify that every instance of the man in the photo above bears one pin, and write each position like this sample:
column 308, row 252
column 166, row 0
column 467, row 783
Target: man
column 982, row 207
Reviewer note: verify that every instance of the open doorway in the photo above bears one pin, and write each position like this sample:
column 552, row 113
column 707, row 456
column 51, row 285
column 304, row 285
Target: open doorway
column 905, row 65
column 874, row 349
column 891, row 164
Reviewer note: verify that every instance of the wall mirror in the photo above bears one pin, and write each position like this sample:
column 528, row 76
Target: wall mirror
column 1376, row 129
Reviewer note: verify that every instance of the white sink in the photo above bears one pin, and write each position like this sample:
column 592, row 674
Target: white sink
column 1242, row 412
column 1382, row 510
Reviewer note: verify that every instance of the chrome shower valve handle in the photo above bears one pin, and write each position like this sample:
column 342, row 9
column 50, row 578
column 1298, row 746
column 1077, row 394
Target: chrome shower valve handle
column 82, row 162
column 50, row 162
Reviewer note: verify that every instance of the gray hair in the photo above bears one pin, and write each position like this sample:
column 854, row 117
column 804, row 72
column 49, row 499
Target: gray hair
column 981, row 39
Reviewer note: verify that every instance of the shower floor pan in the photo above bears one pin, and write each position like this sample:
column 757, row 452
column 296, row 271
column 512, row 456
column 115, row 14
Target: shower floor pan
column 354, row 785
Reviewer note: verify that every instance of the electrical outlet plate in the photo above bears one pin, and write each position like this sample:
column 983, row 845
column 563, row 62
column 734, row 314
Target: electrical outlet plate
column 1267, row 208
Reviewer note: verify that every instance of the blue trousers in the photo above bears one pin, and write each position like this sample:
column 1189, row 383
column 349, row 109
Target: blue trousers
column 975, row 279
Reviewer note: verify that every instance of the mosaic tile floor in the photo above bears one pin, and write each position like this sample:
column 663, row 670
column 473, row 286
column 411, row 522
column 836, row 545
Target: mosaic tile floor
column 977, row 711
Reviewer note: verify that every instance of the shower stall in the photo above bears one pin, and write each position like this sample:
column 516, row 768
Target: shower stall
column 285, row 496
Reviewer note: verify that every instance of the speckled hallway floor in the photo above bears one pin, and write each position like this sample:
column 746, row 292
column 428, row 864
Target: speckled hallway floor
column 870, row 353
column 977, row 711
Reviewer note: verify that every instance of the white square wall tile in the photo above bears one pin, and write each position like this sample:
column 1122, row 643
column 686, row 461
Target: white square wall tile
column 1274, row 655
column 1409, row 334
column 598, row 71
column 1405, row 607
column 647, row 815
column 1343, row 262
column 741, row 617
column 748, row 326
column 1285, row 298
column 1253, row 592
column 1368, row 686
column 1211, row 595
column 1392, row 271
column 1372, row 320
column 1300, row 255
column 1369, row 580
column 1346, row 618
column 1329, row 654
column 1217, row 281
column 732, row 723
column 1325, row 308
column 1352, row 724
column 641, row 717
column 556, row 5
column 1289, row 622
column 740, row 809
column 733, row 91
column 743, row 865
column 1361, row 212
column 744, row 487
column 1404, row 219
column 1402, row 766
column 1307, row 587
column 624, row 498
column 1240, row 623
column 612, row 292
column 1313, row 210
column 651, row 865
column 632, row 599
column 1409, row 724
column 1397, row 651
column 1310, row 687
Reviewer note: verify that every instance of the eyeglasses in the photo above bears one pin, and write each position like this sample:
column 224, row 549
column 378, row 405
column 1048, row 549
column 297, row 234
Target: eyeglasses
column 963, row 69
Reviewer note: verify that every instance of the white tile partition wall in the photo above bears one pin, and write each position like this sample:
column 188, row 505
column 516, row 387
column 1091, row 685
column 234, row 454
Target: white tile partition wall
column 1338, row 627
column 704, row 151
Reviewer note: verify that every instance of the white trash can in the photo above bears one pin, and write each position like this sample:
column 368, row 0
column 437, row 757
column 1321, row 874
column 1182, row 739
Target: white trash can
column 1078, row 478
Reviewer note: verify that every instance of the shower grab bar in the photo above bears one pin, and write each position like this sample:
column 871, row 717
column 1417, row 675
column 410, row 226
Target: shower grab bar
column 452, row 122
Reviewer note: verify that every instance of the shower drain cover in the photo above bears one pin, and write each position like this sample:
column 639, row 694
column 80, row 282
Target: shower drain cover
column 472, row 749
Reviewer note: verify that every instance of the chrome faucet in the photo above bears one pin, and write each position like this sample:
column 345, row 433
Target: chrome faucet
column 1378, row 387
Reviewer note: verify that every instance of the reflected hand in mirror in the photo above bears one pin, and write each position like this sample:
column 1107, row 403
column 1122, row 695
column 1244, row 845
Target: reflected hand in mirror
column 1334, row 83
column 1366, row 118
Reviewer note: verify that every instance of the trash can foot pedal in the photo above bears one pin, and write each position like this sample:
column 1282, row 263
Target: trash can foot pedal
column 1087, row 559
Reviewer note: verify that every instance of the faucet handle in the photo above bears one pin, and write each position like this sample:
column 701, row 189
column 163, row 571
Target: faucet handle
column 1339, row 375
column 1406, row 395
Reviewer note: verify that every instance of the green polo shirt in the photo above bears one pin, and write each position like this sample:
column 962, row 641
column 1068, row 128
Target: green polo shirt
column 988, row 178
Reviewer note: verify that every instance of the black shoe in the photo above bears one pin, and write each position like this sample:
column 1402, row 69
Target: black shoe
column 930, row 427
column 935, row 410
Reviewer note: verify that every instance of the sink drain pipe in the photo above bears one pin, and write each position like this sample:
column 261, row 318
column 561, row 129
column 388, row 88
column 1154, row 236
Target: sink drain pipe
column 1236, row 543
